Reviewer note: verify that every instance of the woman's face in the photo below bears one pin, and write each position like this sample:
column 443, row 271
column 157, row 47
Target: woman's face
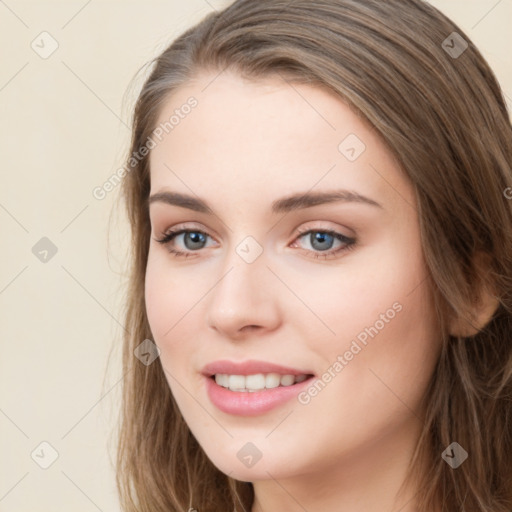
column 303, row 252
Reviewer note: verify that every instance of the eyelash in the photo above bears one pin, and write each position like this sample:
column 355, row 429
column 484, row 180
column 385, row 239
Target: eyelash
column 349, row 242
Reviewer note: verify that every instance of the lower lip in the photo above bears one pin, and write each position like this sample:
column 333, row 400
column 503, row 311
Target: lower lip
column 245, row 403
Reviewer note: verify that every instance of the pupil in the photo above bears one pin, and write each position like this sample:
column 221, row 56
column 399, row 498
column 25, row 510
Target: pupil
column 197, row 238
column 321, row 237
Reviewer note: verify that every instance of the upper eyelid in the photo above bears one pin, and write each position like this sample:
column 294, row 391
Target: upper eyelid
column 184, row 226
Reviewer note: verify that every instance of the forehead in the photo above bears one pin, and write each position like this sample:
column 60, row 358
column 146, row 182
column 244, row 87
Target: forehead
column 268, row 138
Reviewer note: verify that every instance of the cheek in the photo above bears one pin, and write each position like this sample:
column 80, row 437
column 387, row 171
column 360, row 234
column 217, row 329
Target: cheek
column 167, row 299
column 174, row 310
column 164, row 309
column 387, row 334
column 158, row 298
column 367, row 289
column 382, row 313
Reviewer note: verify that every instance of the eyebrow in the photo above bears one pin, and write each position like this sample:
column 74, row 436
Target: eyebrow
column 284, row 205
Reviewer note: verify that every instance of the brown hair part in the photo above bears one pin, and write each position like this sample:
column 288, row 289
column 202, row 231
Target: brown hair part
column 446, row 121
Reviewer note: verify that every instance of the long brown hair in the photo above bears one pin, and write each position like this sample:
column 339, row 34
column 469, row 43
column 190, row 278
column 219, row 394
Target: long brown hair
column 437, row 105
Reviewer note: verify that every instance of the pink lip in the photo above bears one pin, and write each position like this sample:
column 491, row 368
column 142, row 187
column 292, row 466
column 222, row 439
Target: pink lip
column 251, row 403
column 250, row 367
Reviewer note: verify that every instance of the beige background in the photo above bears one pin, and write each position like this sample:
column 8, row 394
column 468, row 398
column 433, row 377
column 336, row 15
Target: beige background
column 63, row 132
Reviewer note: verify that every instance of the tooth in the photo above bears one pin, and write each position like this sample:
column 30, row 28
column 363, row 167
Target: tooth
column 256, row 382
column 236, row 382
column 272, row 380
column 287, row 380
column 253, row 382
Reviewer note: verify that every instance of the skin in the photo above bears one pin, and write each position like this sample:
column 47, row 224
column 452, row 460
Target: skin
column 246, row 144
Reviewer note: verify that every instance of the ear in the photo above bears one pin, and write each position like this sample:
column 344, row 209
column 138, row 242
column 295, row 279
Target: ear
column 484, row 304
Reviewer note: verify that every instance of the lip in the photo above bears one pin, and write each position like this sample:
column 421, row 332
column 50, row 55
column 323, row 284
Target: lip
column 250, row 367
column 251, row 403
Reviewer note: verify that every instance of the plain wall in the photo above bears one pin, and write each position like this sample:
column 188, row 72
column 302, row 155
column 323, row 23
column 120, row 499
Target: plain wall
column 63, row 132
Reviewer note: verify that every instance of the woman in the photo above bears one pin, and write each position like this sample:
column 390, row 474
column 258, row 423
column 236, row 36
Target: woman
column 319, row 311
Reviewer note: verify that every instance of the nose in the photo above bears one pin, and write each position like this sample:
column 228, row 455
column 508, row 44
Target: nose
column 243, row 300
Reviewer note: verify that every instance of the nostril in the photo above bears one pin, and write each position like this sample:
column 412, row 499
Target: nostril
column 249, row 327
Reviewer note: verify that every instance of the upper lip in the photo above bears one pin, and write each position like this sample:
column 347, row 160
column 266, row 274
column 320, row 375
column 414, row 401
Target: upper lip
column 250, row 367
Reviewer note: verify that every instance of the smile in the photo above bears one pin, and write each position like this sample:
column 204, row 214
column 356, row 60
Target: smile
column 257, row 382
column 252, row 387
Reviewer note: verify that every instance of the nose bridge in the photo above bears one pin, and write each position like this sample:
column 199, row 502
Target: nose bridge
column 243, row 269
column 240, row 295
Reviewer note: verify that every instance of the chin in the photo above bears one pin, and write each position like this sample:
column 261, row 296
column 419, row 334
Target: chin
column 236, row 463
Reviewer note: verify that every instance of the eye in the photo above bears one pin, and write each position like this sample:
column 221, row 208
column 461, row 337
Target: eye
column 195, row 238
column 320, row 241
